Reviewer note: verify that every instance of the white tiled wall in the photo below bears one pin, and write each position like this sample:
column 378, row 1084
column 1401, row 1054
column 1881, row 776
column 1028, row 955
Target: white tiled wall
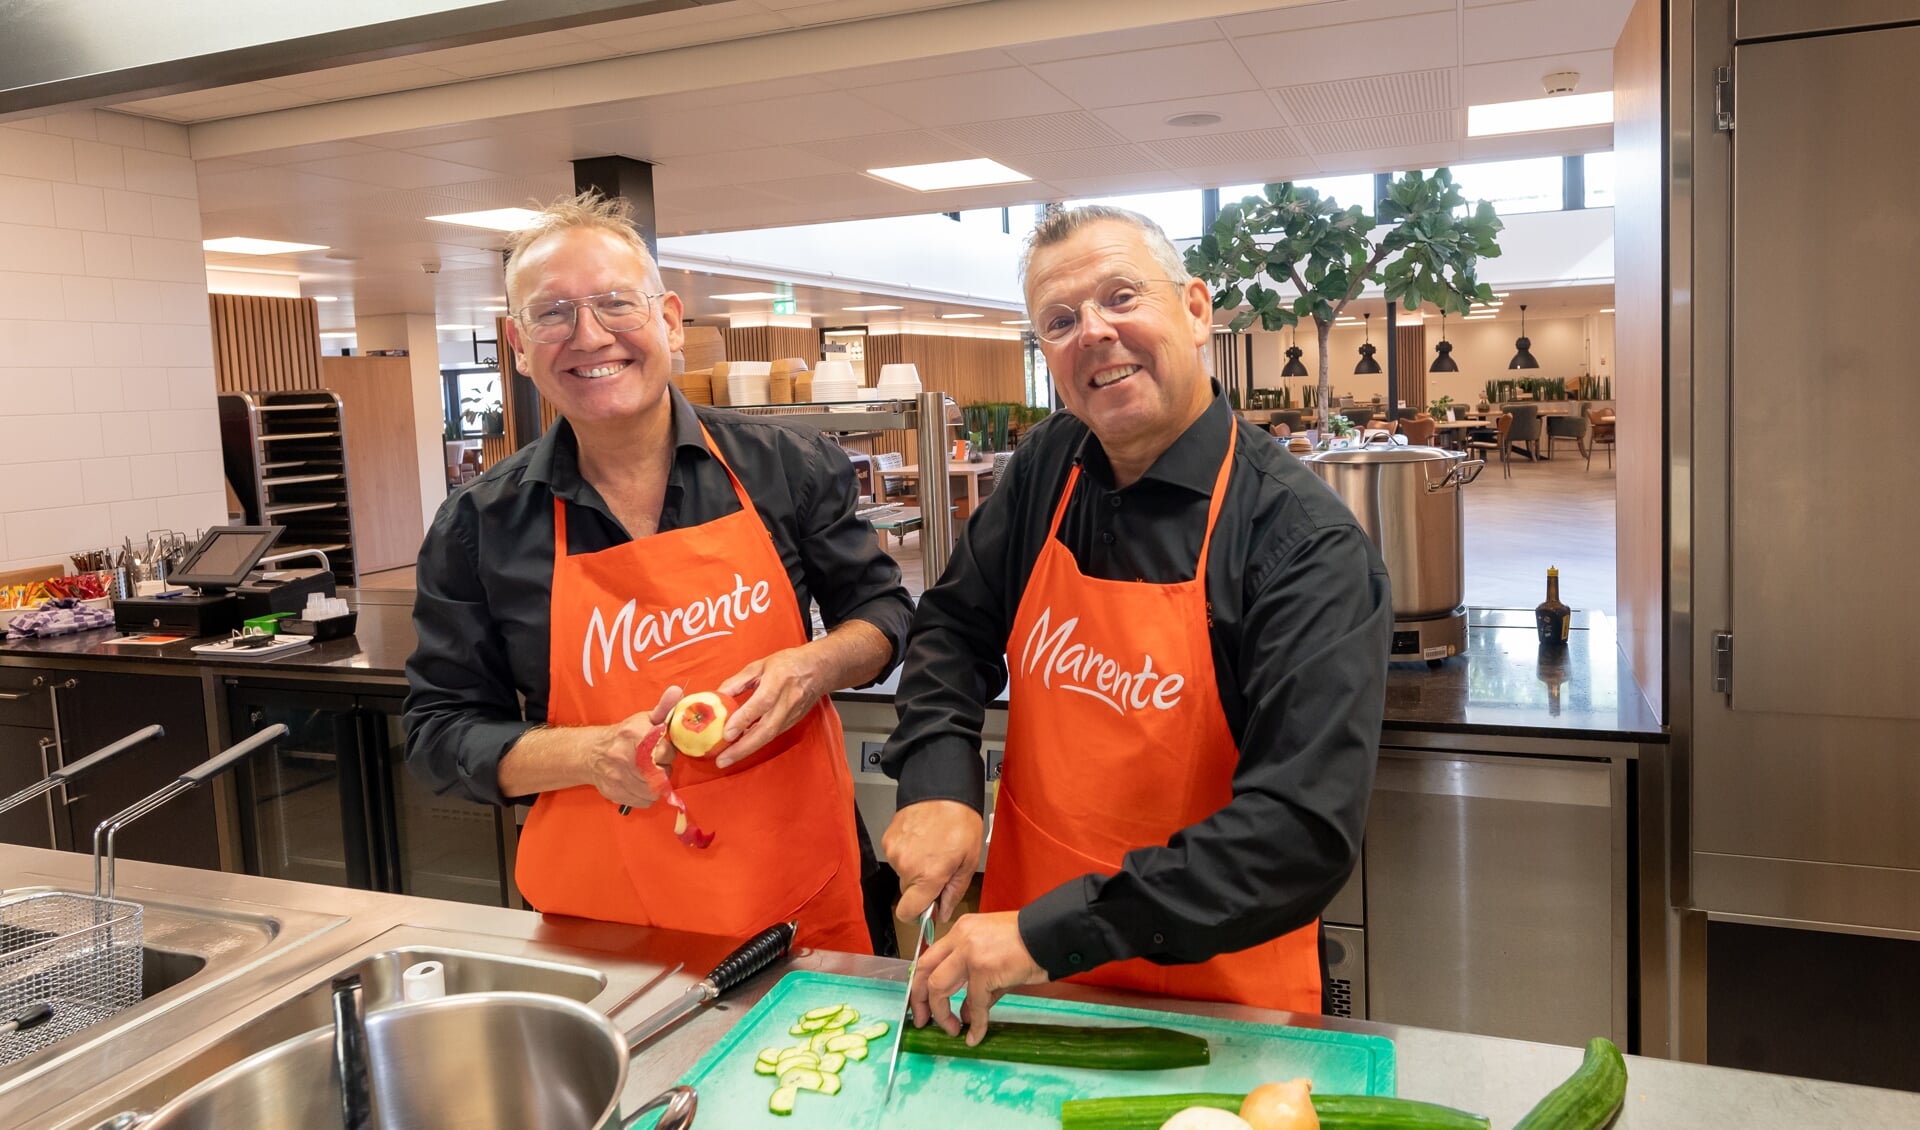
column 108, row 426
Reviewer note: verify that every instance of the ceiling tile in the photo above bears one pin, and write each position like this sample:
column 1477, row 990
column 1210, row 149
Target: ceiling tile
column 510, row 154
column 728, row 95
column 392, row 169
column 1148, row 121
column 433, row 135
column 887, row 150
column 364, row 78
column 1412, row 43
column 1113, row 42
column 1249, row 172
column 835, row 189
column 1372, row 97
column 1516, row 79
column 1383, row 133
column 741, row 166
column 1075, row 188
column 1225, row 148
column 663, row 138
column 1014, row 136
column 933, row 66
column 1106, row 161
column 1144, row 76
column 809, row 117
column 980, row 96
column 525, row 59
column 1535, row 27
column 1297, row 17
column 319, row 151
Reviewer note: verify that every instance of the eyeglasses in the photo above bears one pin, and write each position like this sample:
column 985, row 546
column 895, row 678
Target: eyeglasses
column 1117, row 298
column 619, row 311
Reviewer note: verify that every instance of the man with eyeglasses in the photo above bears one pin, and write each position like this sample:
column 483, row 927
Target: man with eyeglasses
column 641, row 548
column 1196, row 634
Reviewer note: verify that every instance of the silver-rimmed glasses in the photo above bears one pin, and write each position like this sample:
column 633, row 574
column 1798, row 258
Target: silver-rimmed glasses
column 1117, row 298
column 619, row 311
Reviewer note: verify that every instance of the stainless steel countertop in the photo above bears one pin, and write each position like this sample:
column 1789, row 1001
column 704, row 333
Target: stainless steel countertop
column 1498, row 1078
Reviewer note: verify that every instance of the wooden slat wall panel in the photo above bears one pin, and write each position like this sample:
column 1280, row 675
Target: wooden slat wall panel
column 262, row 343
column 1410, row 361
column 705, row 345
column 495, row 448
column 972, row 370
column 376, row 401
column 768, row 343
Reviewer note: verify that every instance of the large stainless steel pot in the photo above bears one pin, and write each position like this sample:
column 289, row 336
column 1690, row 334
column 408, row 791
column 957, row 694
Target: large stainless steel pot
column 1408, row 501
column 481, row 1061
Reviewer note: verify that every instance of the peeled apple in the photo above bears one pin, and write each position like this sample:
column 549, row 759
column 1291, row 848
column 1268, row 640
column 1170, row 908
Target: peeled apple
column 697, row 727
column 1281, row 1106
column 1205, row 1118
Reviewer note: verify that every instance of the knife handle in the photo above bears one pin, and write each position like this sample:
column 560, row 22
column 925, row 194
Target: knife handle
column 755, row 954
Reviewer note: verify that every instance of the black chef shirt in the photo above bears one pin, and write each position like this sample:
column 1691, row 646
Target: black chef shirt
column 486, row 574
column 1301, row 627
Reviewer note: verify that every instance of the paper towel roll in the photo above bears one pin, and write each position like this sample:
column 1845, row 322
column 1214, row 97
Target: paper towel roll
column 424, row 982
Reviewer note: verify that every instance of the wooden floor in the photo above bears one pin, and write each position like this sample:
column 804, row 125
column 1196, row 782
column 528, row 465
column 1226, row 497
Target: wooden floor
column 1555, row 513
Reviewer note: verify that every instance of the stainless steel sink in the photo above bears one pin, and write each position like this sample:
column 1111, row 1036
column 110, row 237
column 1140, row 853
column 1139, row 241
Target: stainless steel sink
column 469, row 967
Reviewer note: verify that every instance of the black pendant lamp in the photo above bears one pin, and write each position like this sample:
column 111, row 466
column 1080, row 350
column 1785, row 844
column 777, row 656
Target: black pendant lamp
column 1367, row 363
column 1524, row 358
column 1293, row 366
column 1444, row 362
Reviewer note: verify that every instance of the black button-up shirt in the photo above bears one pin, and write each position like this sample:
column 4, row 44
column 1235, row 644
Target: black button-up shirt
column 486, row 574
column 1301, row 627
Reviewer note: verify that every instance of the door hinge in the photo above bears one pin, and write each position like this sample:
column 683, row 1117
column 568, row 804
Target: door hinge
column 1723, row 99
column 1723, row 663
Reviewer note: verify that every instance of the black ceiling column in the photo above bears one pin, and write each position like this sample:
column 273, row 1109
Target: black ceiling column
column 623, row 176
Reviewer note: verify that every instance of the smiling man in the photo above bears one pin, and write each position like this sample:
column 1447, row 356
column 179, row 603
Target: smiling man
column 1196, row 632
column 640, row 548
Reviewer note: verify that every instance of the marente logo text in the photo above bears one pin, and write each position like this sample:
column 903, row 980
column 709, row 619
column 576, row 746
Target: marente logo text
column 668, row 630
column 1051, row 652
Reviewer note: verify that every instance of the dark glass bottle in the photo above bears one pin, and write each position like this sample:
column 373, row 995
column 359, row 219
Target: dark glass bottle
column 1551, row 617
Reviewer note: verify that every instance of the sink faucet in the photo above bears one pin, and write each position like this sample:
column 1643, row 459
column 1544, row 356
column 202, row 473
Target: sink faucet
column 350, row 1055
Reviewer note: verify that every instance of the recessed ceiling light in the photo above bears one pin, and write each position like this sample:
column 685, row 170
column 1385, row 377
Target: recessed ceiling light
column 494, row 310
column 949, row 174
column 747, row 296
column 1478, row 318
column 1501, row 293
column 323, row 298
column 1015, row 322
column 454, row 328
column 246, row 245
column 1193, row 121
column 1532, row 115
column 1606, row 309
column 493, row 219
column 951, row 317
column 338, row 333
column 864, row 309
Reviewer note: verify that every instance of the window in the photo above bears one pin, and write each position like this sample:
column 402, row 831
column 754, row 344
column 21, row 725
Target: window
column 1600, row 179
column 1345, row 191
column 1177, row 213
column 989, row 218
column 1530, row 185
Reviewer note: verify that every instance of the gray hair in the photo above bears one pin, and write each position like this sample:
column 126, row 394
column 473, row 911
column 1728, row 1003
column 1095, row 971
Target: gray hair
column 1059, row 224
column 588, row 209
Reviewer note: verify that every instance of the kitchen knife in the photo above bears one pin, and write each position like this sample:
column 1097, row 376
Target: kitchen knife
column 755, row 954
column 900, row 1029
column 31, row 1016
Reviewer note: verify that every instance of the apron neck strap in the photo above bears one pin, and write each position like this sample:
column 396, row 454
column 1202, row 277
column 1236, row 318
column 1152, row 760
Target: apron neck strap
column 1213, row 507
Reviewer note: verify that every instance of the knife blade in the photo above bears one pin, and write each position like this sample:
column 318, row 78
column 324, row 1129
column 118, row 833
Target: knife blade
column 753, row 955
column 900, row 1029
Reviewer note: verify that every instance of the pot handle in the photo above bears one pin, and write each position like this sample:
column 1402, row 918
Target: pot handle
column 1459, row 475
column 680, row 1104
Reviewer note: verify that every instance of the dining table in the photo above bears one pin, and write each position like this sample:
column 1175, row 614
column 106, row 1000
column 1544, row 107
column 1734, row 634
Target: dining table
column 971, row 473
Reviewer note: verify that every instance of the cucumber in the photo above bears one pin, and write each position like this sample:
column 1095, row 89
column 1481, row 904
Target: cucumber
column 822, row 1013
column 1336, row 1112
column 847, row 1044
column 1061, row 1045
column 782, row 1100
column 1589, row 1098
column 831, row 1063
column 823, row 1038
column 871, row 1031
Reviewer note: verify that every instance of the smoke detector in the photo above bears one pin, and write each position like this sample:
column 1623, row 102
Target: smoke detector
column 1560, row 82
column 1194, row 120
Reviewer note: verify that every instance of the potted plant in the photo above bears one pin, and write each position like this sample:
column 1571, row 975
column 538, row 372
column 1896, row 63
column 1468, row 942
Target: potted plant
column 1439, row 408
column 1338, row 428
column 1291, row 235
column 483, row 407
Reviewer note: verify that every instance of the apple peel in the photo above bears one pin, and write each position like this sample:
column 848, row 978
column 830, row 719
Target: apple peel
column 684, row 829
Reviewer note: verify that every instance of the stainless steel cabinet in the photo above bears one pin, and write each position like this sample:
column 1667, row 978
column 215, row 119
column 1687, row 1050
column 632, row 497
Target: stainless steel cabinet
column 1496, row 895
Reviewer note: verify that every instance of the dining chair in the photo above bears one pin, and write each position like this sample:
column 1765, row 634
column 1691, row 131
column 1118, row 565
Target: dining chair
column 1502, row 431
column 1419, row 430
column 1571, row 427
column 1601, row 432
column 1525, row 427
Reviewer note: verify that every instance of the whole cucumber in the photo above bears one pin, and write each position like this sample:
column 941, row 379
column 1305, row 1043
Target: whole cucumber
column 1589, row 1098
column 1336, row 1112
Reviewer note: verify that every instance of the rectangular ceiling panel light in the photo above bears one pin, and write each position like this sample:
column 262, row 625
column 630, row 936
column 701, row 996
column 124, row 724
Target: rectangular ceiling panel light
column 1533, row 115
column 747, row 296
column 954, row 317
column 244, row 245
column 949, row 174
column 493, row 219
column 866, row 309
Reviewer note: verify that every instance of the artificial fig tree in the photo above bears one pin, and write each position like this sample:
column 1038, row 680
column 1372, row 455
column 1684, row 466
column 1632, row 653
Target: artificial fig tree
column 1290, row 236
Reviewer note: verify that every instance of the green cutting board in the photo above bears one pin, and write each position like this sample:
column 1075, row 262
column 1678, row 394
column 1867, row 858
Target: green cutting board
column 932, row 1091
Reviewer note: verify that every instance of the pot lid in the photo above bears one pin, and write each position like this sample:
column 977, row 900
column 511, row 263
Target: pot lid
column 1383, row 453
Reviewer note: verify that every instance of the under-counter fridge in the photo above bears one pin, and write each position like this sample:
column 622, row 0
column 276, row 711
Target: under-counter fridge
column 333, row 803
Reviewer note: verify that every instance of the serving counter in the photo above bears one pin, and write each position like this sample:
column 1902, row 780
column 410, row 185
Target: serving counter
column 154, row 1051
column 1528, row 786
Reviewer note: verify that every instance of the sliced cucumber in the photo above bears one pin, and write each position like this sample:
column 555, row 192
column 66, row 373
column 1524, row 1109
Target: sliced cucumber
column 823, row 1038
column 829, row 1084
column 871, row 1031
column 762, row 1067
column 797, row 1030
column 805, row 1078
column 823, row 1011
column 846, row 1018
column 799, row 1057
column 832, row 1062
column 782, row 1100
column 857, row 1051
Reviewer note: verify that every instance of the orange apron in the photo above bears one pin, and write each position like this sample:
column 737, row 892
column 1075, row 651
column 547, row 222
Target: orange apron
column 692, row 606
column 1115, row 741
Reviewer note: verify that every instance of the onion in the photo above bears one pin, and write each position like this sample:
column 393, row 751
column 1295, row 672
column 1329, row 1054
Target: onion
column 1281, row 1106
column 1204, row 1118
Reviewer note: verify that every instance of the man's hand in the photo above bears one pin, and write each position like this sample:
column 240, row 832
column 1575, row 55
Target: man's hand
column 983, row 954
column 934, row 846
column 779, row 691
column 611, row 765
